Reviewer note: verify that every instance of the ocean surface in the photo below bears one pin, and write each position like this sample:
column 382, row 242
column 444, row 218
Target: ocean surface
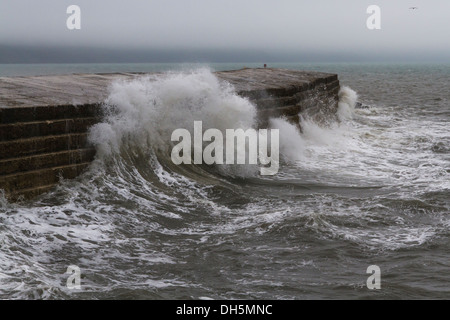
column 370, row 189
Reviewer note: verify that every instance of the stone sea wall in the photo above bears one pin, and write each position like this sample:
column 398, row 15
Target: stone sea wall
column 44, row 120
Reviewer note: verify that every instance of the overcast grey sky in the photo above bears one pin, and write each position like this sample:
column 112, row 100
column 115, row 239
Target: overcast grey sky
column 269, row 25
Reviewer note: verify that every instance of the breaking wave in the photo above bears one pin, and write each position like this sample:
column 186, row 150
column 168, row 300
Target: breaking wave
column 139, row 226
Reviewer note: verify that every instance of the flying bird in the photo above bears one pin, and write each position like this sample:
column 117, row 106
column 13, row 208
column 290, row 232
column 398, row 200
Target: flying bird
column 413, row 8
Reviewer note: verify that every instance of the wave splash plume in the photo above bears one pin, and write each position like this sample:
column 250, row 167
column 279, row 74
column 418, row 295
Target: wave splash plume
column 366, row 189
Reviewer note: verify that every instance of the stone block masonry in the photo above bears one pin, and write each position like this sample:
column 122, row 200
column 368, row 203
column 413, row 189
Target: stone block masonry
column 44, row 120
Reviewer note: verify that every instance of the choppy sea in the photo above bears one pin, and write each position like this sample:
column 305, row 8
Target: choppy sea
column 370, row 189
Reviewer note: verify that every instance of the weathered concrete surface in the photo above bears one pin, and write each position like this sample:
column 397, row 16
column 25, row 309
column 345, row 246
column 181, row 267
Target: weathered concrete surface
column 44, row 119
column 83, row 89
column 280, row 92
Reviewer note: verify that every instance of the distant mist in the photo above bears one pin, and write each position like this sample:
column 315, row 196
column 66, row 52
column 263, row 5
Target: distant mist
column 117, row 31
column 53, row 54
